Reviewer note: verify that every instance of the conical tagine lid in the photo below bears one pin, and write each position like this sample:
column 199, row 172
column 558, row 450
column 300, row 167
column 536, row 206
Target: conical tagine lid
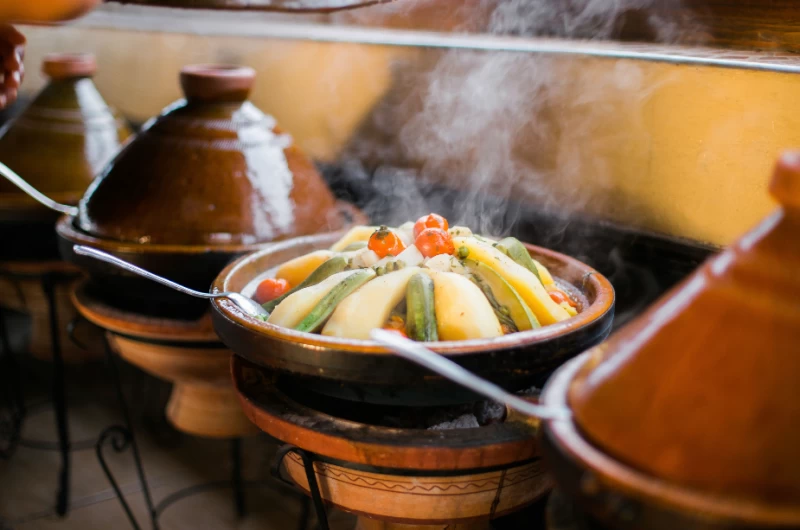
column 65, row 136
column 212, row 169
column 703, row 390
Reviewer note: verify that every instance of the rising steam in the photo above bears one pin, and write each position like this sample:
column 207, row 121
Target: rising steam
column 508, row 126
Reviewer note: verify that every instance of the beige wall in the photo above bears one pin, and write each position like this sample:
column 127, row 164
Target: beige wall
column 681, row 150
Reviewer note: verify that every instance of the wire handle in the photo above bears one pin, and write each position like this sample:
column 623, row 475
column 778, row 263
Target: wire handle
column 22, row 184
column 416, row 352
column 130, row 267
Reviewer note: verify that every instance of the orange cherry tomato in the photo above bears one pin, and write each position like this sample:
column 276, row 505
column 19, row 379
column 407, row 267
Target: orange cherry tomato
column 560, row 297
column 433, row 220
column 434, row 241
column 270, row 289
column 384, row 241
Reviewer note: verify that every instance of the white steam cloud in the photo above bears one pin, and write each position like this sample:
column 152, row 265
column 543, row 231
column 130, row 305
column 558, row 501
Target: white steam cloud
column 507, row 126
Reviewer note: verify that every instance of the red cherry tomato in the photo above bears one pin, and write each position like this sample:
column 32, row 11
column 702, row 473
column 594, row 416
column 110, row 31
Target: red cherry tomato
column 433, row 220
column 560, row 297
column 385, row 241
column 434, row 241
column 270, row 289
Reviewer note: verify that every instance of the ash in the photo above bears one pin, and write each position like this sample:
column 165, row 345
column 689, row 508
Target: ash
column 483, row 413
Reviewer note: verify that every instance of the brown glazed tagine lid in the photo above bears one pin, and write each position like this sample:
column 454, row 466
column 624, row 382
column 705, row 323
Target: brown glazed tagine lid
column 703, row 391
column 64, row 137
column 212, row 169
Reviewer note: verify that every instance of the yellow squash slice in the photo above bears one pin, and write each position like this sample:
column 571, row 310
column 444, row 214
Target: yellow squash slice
column 296, row 270
column 524, row 281
column 297, row 306
column 462, row 311
column 354, row 235
column 370, row 306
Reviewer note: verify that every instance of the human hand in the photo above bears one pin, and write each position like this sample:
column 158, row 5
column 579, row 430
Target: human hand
column 11, row 53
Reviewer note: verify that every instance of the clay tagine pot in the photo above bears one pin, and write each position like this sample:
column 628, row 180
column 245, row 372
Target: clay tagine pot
column 210, row 178
column 64, row 137
column 58, row 144
column 689, row 417
column 395, row 477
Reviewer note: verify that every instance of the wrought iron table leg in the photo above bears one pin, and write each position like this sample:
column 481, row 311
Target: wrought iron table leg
column 59, row 397
column 12, row 389
column 122, row 438
column 311, row 476
column 236, row 477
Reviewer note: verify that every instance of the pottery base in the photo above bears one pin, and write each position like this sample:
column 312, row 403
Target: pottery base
column 372, row 524
column 203, row 401
column 397, row 500
column 207, row 410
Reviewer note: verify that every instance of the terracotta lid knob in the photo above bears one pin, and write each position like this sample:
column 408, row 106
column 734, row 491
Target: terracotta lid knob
column 216, row 83
column 69, row 65
column 785, row 186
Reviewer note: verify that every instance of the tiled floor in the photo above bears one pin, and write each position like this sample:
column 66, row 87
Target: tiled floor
column 172, row 461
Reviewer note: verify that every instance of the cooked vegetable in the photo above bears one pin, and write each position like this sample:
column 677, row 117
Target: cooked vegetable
column 332, row 266
column 462, row 311
column 296, row 270
column 295, row 307
column 327, row 304
column 461, row 231
column 432, row 220
column 420, row 311
column 504, row 295
column 424, row 280
column 433, row 242
column 515, row 250
column 521, row 279
column 560, row 297
column 385, row 242
column 356, row 245
column 370, row 306
column 270, row 289
column 354, row 235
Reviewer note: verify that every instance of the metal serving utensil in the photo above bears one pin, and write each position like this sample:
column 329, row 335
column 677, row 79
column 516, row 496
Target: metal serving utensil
column 248, row 306
column 416, row 352
column 20, row 182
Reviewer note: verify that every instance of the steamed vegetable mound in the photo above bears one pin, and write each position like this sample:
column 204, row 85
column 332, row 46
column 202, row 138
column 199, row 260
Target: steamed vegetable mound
column 424, row 280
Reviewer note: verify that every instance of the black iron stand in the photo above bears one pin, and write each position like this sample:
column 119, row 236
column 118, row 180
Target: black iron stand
column 49, row 282
column 313, row 487
column 122, row 437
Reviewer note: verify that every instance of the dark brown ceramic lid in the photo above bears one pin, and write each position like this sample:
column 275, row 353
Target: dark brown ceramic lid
column 703, row 390
column 65, row 136
column 210, row 170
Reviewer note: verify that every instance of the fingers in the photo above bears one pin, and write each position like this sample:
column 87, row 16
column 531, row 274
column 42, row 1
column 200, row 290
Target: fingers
column 10, row 35
column 11, row 54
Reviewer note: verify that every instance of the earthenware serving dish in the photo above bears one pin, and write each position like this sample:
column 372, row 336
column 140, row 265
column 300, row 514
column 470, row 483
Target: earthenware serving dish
column 688, row 417
column 362, row 370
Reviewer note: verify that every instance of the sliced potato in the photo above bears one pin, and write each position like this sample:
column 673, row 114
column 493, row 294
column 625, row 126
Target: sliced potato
column 521, row 279
column 297, row 306
column 370, row 306
column 354, row 235
column 544, row 274
column 462, row 311
column 298, row 269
